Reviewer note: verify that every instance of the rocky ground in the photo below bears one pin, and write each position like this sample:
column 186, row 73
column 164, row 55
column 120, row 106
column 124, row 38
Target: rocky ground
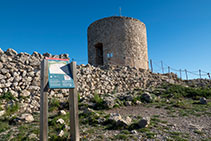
column 115, row 103
column 170, row 112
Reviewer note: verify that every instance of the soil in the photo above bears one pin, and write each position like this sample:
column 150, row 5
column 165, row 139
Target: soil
column 190, row 127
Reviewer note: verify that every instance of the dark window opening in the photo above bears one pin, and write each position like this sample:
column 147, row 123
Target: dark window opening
column 99, row 54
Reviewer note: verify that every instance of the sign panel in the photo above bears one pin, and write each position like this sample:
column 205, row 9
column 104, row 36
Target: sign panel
column 59, row 74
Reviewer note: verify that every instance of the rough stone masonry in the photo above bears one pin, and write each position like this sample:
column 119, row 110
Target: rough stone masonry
column 118, row 40
column 20, row 75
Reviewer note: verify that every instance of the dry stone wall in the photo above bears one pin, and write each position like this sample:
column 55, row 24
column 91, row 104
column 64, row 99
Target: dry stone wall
column 20, row 75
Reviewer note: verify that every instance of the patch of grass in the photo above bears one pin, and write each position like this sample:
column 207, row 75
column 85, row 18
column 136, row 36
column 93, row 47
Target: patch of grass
column 198, row 132
column 156, row 116
column 121, row 137
column 90, row 118
column 4, row 126
column 11, row 109
column 99, row 104
column 150, row 135
column 7, row 96
column 54, row 104
column 178, row 136
column 125, row 132
column 143, row 130
column 22, row 133
column 178, row 91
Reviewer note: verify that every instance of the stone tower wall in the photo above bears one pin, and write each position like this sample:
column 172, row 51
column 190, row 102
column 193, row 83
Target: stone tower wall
column 123, row 37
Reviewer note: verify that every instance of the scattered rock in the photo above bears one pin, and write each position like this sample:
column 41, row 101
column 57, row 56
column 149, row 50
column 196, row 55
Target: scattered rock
column 117, row 120
column 146, row 97
column 61, row 121
column 109, row 102
column 61, row 133
column 196, row 127
column 144, row 122
column 203, row 100
column 88, row 111
column 62, row 112
column 27, row 117
column 2, row 113
column 134, row 132
column 128, row 103
column 33, row 136
column 138, row 102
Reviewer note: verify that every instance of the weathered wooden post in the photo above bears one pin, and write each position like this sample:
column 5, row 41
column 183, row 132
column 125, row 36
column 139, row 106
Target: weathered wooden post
column 73, row 106
column 44, row 101
column 56, row 73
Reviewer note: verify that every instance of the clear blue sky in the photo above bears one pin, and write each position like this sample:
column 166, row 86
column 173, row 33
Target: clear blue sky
column 178, row 31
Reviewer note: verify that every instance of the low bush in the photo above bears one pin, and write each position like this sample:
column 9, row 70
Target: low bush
column 178, row 91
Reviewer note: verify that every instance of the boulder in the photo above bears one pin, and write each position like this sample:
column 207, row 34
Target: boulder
column 203, row 100
column 109, row 102
column 144, row 122
column 117, row 120
column 146, row 97
column 27, row 117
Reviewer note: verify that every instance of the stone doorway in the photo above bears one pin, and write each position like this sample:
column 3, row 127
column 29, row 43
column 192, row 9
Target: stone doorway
column 99, row 54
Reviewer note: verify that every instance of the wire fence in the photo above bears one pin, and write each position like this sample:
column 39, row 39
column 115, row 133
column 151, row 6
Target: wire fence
column 161, row 67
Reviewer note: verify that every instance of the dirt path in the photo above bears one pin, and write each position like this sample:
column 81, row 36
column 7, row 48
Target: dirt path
column 195, row 127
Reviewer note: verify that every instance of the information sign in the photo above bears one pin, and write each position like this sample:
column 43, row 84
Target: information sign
column 59, row 74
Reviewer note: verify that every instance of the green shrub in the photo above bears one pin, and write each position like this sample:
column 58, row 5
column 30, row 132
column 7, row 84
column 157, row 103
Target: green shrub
column 54, row 104
column 99, row 104
column 97, row 98
column 178, row 91
column 12, row 109
column 7, row 96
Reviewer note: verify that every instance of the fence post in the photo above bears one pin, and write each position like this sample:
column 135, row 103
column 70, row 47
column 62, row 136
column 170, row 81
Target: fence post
column 151, row 65
column 200, row 73
column 169, row 69
column 186, row 74
column 162, row 66
column 180, row 73
column 208, row 75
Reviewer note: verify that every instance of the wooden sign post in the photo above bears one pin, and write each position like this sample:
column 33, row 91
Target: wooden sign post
column 44, row 101
column 73, row 106
column 58, row 74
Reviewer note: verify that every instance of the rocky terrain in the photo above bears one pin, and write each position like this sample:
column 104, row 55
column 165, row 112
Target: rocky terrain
column 115, row 103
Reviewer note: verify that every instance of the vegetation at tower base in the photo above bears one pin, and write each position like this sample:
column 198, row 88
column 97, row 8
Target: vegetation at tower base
column 115, row 103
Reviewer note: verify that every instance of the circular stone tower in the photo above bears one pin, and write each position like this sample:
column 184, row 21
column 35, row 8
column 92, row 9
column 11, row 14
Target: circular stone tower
column 118, row 40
